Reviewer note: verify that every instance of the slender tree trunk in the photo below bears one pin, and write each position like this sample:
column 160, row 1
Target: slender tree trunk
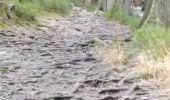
column 105, row 4
column 6, row 10
column 122, row 5
column 126, row 7
column 147, row 12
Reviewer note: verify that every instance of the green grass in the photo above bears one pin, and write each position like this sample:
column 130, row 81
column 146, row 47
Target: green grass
column 78, row 3
column 88, row 7
column 60, row 6
column 91, row 7
column 2, row 26
column 28, row 10
column 117, row 15
column 4, row 70
column 154, row 40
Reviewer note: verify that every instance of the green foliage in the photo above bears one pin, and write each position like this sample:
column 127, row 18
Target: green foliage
column 117, row 15
column 29, row 9
column 4, row 70
column 90, row 7
column 2, row 25
column 59, row 6
column 77, row 3
column 154, row 40
column 26, row 10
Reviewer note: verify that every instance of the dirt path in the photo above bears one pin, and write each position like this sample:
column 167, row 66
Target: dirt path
column 56, row 63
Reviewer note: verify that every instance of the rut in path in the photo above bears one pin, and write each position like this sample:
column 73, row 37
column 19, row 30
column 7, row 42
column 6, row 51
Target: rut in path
column 56, row 63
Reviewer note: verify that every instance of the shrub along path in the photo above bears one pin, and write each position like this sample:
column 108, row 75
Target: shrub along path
column 56, row 62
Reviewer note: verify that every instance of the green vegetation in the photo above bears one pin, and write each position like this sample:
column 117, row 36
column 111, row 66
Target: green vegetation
column 117, row 15
column 153, row 39
column 4, row 70
column 77, row 3
column 29, row 9
column 2, row 26
column 26, row 11
column 60, row 6
column 91, row 7
column 88, row 7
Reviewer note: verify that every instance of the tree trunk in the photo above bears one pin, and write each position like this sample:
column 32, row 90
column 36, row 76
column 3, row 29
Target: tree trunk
column 126, row 7
column 105, row 4
column 158, row 13
column 122, row 5
column 91, row 2
column 5, row 10
column 146, row 13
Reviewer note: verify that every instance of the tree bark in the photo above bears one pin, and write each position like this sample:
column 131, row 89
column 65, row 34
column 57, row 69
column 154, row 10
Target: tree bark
column 158, row 13
column 122, row 5
column 146, row 13
column 6, row 9
column 126, row 7
column 106, row 4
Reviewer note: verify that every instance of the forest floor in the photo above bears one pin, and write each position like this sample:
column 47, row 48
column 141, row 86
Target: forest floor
column 56, row 61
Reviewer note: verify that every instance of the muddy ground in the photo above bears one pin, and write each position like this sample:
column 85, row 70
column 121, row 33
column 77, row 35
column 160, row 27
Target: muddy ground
column 57, row 63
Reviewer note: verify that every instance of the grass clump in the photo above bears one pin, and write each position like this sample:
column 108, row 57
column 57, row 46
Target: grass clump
column 115, row 55
column 60, row 6
column 4, row 70
column 154, row 40
column 26, row 11
column 155, row 71
column 83, row 4
column 154, row 57
column 29, row 9
column 91, row 7
column 117, row 15
column 78, row 3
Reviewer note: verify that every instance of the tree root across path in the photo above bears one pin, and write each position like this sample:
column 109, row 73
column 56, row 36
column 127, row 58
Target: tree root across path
column 58, row 64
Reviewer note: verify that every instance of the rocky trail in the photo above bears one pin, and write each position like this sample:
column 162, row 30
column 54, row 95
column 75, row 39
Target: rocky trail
column 57, row 63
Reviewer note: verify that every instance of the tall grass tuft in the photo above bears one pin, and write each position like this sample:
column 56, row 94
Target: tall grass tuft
column 26, row 11
column 60, row 6
column 154, row 40
column 29, row 9
column 154, row 59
